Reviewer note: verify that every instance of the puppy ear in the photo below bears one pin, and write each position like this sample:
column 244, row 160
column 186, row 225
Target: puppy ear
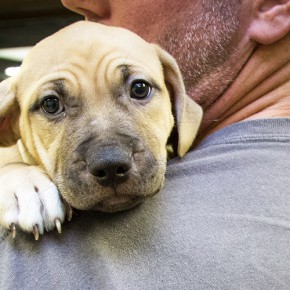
column 9, row 114
column 187, row 113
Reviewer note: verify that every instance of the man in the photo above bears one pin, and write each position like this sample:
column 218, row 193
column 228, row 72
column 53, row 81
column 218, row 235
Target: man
column 223, row 218
column 213, row 42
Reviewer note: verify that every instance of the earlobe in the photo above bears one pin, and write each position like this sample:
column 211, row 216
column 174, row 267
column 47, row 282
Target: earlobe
column 270, row 20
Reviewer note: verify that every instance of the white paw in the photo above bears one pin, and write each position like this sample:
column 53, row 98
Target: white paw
column 29, row 200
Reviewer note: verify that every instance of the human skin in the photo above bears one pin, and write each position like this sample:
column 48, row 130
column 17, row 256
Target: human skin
column 227, row 50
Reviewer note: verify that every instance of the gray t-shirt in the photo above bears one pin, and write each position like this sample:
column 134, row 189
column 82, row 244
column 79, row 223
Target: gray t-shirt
column 222, row 221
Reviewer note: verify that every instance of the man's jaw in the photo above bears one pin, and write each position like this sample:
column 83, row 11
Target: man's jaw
column 261, row 89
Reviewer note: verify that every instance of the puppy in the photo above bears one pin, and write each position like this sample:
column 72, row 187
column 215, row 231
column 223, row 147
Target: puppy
column 86, row 123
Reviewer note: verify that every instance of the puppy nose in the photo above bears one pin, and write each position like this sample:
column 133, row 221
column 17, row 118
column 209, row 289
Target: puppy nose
column 110, row 165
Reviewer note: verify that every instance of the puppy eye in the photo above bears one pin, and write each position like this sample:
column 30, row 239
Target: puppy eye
column 52, row 105
column 140, row 90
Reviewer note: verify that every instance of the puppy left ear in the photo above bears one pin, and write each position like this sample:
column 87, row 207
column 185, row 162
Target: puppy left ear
column 187, row 113
column 9, row 114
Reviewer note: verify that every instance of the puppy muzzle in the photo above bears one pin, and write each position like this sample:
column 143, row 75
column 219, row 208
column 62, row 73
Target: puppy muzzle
column 111, row 175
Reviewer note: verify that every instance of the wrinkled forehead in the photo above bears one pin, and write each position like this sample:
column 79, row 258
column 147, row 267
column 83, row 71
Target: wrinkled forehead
column 87, row 47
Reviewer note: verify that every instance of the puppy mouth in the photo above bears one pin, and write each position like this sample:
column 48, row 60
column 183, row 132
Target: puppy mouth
column 118, row 203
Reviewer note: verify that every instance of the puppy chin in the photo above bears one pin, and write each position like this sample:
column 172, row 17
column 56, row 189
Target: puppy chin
column 109, row 202
column 118, row 203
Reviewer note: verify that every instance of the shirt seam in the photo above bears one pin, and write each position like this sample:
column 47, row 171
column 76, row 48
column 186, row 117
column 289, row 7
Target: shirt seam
column 245, row 139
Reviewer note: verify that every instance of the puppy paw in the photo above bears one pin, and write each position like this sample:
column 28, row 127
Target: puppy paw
column 29, row 200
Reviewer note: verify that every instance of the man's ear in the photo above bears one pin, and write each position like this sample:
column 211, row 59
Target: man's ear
column 187, row 113
column 270, row 20
column 9, row 114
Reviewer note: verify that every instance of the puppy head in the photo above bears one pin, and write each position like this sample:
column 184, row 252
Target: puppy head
column 95, row 106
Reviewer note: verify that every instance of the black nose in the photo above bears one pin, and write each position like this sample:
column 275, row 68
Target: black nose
column 110, row 165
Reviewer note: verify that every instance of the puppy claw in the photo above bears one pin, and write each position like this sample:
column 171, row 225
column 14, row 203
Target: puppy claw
column 36, row 232
column 69, row 212
column 13, row 230
column 58, row 225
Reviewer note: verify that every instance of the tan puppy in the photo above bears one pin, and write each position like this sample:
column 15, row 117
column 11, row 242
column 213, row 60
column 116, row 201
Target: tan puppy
column 92, row 109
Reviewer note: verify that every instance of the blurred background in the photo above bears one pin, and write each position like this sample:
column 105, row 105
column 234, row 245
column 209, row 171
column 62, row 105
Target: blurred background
column 25, row 22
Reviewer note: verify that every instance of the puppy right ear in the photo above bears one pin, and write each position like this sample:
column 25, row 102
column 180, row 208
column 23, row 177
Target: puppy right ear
column 187, row 113
column 9, row 113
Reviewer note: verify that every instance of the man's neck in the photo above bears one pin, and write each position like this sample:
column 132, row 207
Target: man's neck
column 262, row 90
